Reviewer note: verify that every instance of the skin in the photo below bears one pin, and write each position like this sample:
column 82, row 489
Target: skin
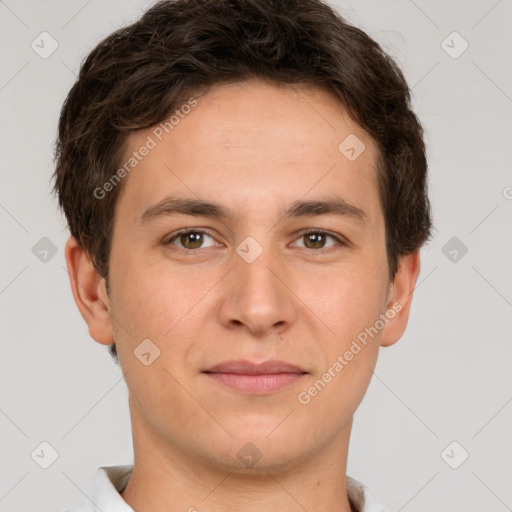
column 255, row 148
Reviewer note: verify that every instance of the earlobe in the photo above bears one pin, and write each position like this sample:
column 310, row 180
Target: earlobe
column 89, row 292
column 400, row 298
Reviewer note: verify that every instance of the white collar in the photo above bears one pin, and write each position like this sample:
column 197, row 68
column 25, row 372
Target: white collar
column 111, row 480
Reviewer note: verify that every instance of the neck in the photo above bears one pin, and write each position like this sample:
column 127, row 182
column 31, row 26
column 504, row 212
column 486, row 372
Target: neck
column 167, row 478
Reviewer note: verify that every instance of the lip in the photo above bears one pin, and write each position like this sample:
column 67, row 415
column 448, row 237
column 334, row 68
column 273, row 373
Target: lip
column 249, row 368
column 256, row 378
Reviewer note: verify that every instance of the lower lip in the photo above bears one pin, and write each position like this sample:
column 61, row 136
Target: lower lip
column 257, row 384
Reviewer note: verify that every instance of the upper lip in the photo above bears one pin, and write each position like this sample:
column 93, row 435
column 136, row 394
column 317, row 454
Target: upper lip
column 248, row 367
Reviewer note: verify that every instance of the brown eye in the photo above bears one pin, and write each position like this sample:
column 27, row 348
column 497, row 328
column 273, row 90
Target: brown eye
column 314, row 240
column 190, row 239
column 317, row 239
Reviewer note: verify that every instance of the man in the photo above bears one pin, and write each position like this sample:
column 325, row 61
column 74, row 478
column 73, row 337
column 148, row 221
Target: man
column 246, row 189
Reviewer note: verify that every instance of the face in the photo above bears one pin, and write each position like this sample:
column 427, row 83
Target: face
column 288, row 265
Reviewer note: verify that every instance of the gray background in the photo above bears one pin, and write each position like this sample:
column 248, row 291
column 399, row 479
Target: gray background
column 447, row 380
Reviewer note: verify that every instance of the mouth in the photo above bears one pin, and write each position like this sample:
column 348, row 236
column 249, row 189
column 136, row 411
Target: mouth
column 256, row 378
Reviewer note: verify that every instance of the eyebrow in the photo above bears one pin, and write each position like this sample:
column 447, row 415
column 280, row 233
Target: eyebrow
column 201, row 208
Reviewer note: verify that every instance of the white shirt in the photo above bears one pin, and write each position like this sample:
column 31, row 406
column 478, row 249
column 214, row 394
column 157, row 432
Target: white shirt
column 111, row 481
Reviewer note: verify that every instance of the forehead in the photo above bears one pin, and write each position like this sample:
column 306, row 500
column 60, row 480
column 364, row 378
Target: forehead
column 254, row 146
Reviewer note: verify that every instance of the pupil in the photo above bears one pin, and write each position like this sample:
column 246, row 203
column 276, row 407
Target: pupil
column 194, row 238
column 315, row 238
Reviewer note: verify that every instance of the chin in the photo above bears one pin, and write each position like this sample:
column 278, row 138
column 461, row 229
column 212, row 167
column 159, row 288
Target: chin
column 260, row 450
column 257, row 459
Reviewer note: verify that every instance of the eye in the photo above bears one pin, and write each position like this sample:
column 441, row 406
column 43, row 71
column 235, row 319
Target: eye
column 315, row 239
column 190, row 239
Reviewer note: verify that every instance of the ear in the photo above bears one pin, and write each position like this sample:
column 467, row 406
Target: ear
column 400, row 298
column 89, row 292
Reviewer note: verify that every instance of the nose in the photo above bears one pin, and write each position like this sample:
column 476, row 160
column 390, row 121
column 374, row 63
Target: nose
column 258, row 296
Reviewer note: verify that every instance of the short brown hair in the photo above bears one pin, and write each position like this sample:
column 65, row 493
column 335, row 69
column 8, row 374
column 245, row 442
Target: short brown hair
column 139, row 74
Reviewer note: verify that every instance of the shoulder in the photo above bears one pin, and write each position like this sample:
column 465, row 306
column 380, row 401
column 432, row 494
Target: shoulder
column 105, row 496
column 360, row 498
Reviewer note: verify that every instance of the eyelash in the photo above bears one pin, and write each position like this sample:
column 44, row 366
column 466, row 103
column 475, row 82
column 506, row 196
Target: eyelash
column 340, row 241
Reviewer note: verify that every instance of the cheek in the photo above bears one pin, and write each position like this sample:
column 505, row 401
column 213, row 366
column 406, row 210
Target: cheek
column 150, row 296
column 333, row 397
column 347, row 299
column 350, row 305
column 155, row 303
